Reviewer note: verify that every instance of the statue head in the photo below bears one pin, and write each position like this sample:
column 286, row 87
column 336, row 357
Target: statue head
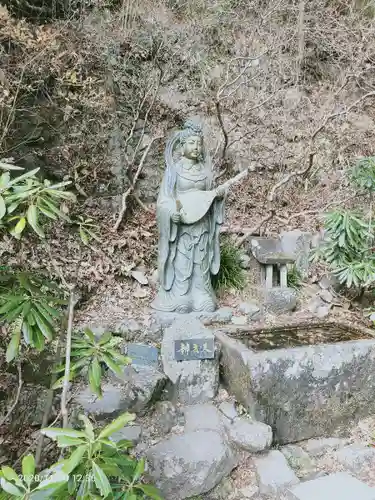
column 191, row 140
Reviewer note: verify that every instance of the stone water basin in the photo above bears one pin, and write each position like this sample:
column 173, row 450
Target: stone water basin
column 305, row 380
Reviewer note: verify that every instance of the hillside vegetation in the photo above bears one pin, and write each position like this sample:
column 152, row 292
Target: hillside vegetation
column 90, row 90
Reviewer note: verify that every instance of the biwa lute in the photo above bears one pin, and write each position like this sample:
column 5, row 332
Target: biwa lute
column 193, row 205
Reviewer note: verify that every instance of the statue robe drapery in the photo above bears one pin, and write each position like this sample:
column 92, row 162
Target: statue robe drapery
column 188, row 253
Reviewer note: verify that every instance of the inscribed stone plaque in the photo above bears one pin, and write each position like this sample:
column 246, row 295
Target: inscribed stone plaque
column 190, row 349
column 141, row 354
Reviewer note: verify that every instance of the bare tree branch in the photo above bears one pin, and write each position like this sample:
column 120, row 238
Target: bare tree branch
column 20, row 383
column 325, row 121
column 289, row 176
column 254, row 230
column 301, row 39
column 132, row 186
column 64, row 396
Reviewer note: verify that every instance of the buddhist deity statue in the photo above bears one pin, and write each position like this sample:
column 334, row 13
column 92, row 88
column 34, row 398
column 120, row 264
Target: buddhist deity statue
column 189, row 215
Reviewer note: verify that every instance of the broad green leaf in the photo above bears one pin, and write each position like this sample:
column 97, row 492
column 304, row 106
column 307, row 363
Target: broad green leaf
column 31, row 318
column 13, row 347
column 38, row 338
column 20, row 226
column 12, row 315
column 50, row 310
column 59, row 185
column 10, row 488
column 44, row 327
column 139, row 470
column 79, row 364
column 53, row 481
column 150, row 491
column 3, row 208
column 111, row 470
column 22, row 177
column 10, row 304
column 21, row 196
column 28, row 468
column 90, row 335
column 83, row 236
column 75, row 458
column 83, row 490
column 101, row 480
column 54, row 209
column 93, row 235
column 11, row 475
column 47, row 212
column 9, row 166
column 111, row 364
column 125, row 360
column 65, row 441
column 116, row 425
column 4, row 179
column 89, row 429
column 40, row 307
column 108, row 442
column 124, row 444
column 27, row 333
column 26, row 308
column 32, row 219
column 95, row 372
column 54, row 432
column 107, row 336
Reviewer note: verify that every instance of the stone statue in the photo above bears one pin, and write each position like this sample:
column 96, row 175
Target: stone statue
column 189, row 215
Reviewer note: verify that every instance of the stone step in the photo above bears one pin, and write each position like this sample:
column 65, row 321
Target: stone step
column 341, row 485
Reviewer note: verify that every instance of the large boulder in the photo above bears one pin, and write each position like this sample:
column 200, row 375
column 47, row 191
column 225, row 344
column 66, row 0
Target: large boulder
column 190, row 464
column 135, row 390
column 195, row 381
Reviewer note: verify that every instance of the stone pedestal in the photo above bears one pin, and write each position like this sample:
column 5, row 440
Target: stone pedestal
column 194, row 381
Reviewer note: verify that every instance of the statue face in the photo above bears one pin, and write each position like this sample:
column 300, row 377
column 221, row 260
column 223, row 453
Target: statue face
column 193, row 147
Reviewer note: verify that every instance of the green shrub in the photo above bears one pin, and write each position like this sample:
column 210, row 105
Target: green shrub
column 25, row 200
column 91, row 353
column 295, row 278
column 96, row 467
column 362, row 175
column 348, row 246
column 231, row 274
column 30, row 305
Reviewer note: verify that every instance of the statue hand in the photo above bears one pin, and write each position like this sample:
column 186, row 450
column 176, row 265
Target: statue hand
column 176, row 217
column 221, row 192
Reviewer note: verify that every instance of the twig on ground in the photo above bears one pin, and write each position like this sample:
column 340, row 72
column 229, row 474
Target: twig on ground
column 20, row 383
